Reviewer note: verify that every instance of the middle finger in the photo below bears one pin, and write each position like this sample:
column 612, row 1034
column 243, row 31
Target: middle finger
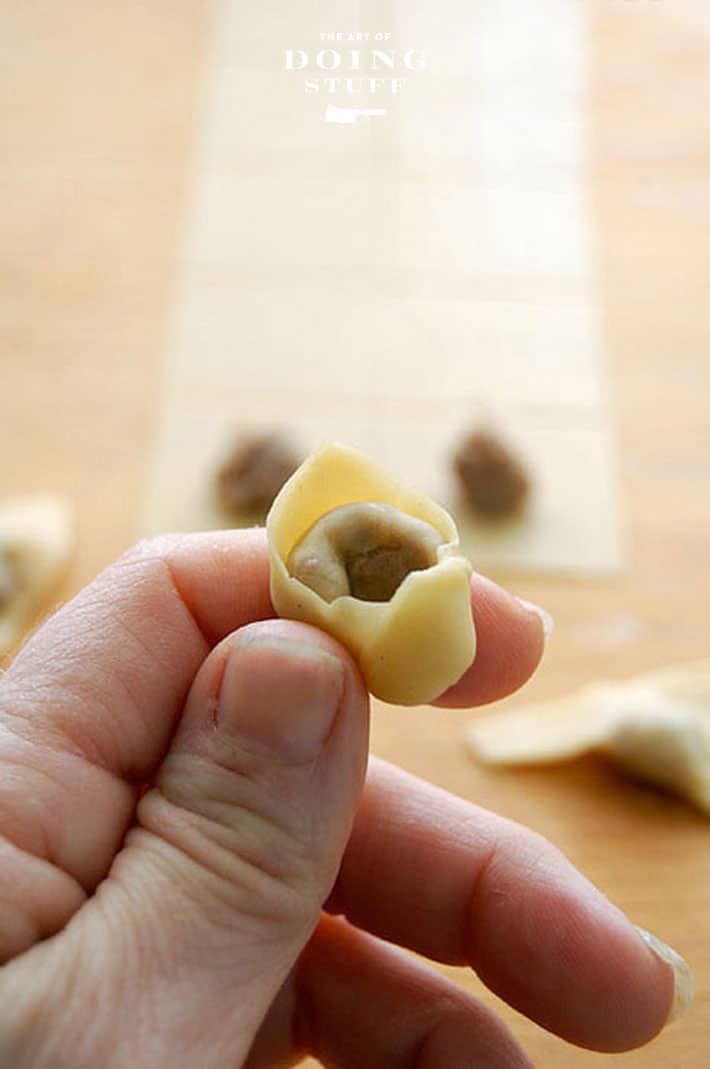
column 455, row 883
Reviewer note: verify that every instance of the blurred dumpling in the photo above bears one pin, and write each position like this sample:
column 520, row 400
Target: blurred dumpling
column 36, row 542
column 655, row 726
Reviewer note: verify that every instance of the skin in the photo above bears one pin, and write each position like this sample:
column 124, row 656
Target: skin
column 169, row 846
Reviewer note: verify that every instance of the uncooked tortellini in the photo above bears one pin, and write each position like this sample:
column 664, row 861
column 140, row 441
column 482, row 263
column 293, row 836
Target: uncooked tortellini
column 377, row 566
column 655, row 726
column 36, row 542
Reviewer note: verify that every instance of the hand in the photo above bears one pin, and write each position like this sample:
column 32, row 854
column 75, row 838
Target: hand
column 181, row 790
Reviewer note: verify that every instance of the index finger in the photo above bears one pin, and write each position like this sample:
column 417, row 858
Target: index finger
column 142, row 628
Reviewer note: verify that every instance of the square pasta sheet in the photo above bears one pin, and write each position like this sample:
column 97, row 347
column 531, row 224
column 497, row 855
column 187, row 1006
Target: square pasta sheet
column 382, row 262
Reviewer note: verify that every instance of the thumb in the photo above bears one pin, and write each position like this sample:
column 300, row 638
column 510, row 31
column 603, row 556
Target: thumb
column 221, row 881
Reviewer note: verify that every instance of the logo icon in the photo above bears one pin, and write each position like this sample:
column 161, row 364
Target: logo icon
column 349, row 115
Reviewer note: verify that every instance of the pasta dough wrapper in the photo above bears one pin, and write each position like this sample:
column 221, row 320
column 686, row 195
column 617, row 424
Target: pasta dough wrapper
column 419, row 642
column 655, row 726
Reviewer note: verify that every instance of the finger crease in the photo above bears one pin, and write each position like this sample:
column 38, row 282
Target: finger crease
column 470, row 920
column 208, row 639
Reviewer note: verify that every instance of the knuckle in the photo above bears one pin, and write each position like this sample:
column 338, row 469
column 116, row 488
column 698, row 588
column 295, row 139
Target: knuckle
column 154, row 547
column 256, row 857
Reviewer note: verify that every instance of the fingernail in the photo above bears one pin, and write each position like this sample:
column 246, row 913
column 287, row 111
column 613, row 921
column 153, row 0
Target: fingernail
column 548, row 623
column 279, row 697
column 684, row 982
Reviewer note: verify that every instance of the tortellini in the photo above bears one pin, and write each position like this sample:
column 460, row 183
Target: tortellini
column 36, row 542
column 656, row 727
column 377, row 566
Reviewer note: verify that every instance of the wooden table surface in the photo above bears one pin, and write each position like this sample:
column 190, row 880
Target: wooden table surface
column 105, row 100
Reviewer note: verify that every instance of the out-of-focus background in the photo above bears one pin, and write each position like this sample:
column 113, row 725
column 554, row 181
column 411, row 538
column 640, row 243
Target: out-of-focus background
column 105, row 107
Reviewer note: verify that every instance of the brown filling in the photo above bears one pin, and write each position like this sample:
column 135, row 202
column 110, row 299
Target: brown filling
column 254, row 472
column 365, row 549
column 375, row 574
column 492, row 479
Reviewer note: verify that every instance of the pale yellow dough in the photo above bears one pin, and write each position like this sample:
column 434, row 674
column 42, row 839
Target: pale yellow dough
column 655, row 726
column 36, row 543
column 410, row 648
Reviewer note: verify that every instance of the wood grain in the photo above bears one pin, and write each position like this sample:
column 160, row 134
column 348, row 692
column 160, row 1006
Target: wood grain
column 95, row 175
